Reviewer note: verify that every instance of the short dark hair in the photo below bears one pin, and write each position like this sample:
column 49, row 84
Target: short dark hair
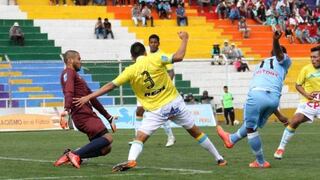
column 137, row 49
column 154, row 36
column 99, row 18
column 69, row 54
column 317, row 48
column 225, row 87
column 283, row 49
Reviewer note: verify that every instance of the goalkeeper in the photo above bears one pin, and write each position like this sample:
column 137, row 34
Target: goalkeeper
column 84, row 118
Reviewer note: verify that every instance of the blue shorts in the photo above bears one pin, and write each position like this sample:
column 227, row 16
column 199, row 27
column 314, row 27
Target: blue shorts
column 259, row 106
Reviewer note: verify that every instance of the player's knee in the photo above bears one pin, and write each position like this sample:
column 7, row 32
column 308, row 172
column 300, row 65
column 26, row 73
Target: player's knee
column 106, row 150
column 108, row 137
column 139, row 111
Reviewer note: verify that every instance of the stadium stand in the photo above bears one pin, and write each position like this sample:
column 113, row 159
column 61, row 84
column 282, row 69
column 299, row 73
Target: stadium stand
column 204, row 29
column 35, row 84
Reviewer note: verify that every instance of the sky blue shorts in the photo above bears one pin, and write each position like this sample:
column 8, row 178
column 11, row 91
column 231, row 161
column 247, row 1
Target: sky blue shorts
column 259, row 106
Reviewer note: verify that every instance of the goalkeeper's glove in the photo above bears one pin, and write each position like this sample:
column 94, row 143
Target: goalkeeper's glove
column 63, row 121
column 112, row 123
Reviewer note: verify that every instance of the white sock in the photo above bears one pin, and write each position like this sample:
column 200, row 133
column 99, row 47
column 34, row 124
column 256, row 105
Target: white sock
column 287, row 135
column 137, row 124
column 167, row 129
column 135, row 150
column 205, row 142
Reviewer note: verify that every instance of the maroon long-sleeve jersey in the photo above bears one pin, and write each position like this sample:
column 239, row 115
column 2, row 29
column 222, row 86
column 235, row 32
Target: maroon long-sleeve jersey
column 73, row 86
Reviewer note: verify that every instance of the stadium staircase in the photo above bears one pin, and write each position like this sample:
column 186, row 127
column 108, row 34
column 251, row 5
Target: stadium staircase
column 30, row 74
column 37, row 84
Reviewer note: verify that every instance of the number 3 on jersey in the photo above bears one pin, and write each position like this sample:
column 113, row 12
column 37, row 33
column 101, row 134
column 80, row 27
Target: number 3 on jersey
column 148, row 79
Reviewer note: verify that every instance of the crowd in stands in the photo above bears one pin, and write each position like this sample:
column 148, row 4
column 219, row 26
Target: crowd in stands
column 141, row 12
column 80, row 2
column 293, row 17
column 232, row 54
column 103, row 29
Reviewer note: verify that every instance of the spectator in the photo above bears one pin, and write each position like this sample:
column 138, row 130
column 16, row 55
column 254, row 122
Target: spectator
column 107, row 28
column 206, row 99
column 182, row 19
column 254, row 15
column 300, row 33
column 271, row 20
column 240, row 65
column 234, row 54
column 146, row 15
column 215, row 55
column 242, row 8
column 206, row 2
column 190, row 99
column 227, row 104
column 261, row 12
column 167, row 9
column 226, row 49
column 311, row 31
column 81, row 2
column 289, row 34
column 283, row 16
column 292, row 21
column 136, row 14
column 234, row 14
column 164, row 10
column 56, row 2
column 99, row 2
column 243, row 28
column 16, row 35
column 222, row 10
column 316, row 14
column 99, row 28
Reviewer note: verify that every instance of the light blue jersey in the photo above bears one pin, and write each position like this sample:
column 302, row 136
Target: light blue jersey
column 270, row 74
column 265, row 91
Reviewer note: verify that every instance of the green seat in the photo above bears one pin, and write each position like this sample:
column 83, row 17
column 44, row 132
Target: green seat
column 22, row 22
column 36, row 44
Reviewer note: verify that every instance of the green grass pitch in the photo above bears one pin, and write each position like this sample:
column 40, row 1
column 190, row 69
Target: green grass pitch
column 30, row 155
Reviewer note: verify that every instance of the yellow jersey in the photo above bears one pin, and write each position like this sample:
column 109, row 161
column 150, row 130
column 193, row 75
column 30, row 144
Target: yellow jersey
column 150, row 81
column 309, row 79
column 159, row 53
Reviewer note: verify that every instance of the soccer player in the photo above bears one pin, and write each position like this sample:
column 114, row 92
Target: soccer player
column 84, row 118
column 262, row 101
column 154, row 42
column 155, row 91
column 308, row 85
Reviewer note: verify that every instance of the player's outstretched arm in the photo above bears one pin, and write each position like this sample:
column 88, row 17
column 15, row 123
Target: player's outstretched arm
column 277, row 51
column 281, row 117
column 179, row 55
column 301, row 90
column 103, row 90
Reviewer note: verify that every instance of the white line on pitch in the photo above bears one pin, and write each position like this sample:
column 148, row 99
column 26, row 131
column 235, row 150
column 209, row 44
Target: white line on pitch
column 177, row 170
column 101, row 176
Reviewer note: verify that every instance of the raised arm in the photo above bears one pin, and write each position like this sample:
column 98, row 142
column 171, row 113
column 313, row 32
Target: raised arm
column 179, row 55
column 277, row 51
